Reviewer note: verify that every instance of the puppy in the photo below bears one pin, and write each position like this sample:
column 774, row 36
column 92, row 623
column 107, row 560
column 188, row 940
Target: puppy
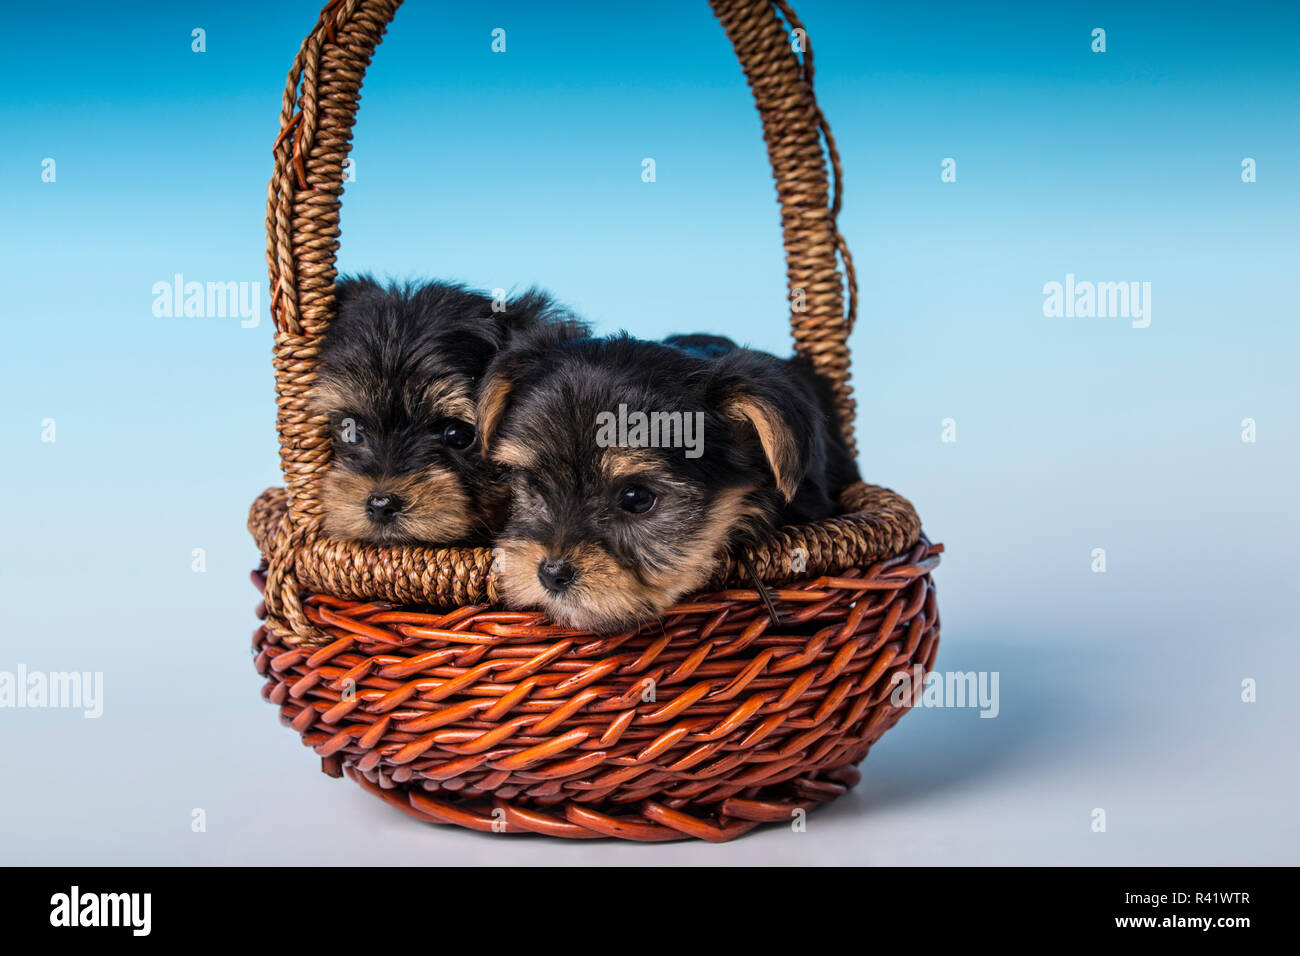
column 633, row 464
column 399, row 370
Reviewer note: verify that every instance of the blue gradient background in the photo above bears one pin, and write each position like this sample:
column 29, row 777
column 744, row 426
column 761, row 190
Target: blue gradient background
column 1118, row 690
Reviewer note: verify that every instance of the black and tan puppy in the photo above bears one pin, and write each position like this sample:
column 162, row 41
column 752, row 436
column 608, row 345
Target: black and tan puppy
column 399, row 373
column 633, row 464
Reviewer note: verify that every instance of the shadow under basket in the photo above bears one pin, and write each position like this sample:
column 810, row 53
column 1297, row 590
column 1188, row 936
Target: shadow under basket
column 399, row 667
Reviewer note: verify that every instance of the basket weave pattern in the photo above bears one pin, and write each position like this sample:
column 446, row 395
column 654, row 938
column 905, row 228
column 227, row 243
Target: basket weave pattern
column 535, row 728
column 393, row 664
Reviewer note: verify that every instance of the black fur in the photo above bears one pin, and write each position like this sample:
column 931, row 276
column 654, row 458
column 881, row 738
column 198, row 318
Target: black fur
column 389, row 350
column 560, row 383
column 561, row 380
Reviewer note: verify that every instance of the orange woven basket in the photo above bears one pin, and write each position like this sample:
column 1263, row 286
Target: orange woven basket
column 399, row 668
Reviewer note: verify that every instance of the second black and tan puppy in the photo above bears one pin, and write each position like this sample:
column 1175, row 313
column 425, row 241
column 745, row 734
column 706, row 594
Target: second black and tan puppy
column 635, row 463
column 399, row 374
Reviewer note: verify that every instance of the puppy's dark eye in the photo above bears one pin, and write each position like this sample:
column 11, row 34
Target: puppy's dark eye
column 636, row 499
column 349, row 436
column 455, row 433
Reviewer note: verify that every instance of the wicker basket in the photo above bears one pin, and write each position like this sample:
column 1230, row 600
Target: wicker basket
column 397, row 668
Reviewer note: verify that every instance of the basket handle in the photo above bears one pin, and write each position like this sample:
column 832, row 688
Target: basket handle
column 302, row 222
column 793, row 129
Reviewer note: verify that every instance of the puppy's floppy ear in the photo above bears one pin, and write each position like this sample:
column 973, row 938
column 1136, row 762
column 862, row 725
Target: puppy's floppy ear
column 526, row 353
column 765, row 401
column 493, row 400
column 775, row 434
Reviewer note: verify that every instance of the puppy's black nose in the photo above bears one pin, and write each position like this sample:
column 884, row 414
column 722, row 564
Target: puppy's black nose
column 381, row 509
column 556, row 574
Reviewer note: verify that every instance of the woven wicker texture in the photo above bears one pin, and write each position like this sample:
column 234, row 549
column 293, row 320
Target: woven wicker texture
column 477, row 716
column 701, row 725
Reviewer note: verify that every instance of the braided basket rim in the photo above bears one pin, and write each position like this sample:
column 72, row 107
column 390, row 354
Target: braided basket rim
column 443, row 576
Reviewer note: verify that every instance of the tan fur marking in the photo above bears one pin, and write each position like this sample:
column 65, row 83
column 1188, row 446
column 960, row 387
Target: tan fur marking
column 437, row 509
column 493, row 400
column 778, row 443
column 515, row 455
column 731, row 512
column 606, row 597
column 327, row 396
column 619, row 463
column 451, row 397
